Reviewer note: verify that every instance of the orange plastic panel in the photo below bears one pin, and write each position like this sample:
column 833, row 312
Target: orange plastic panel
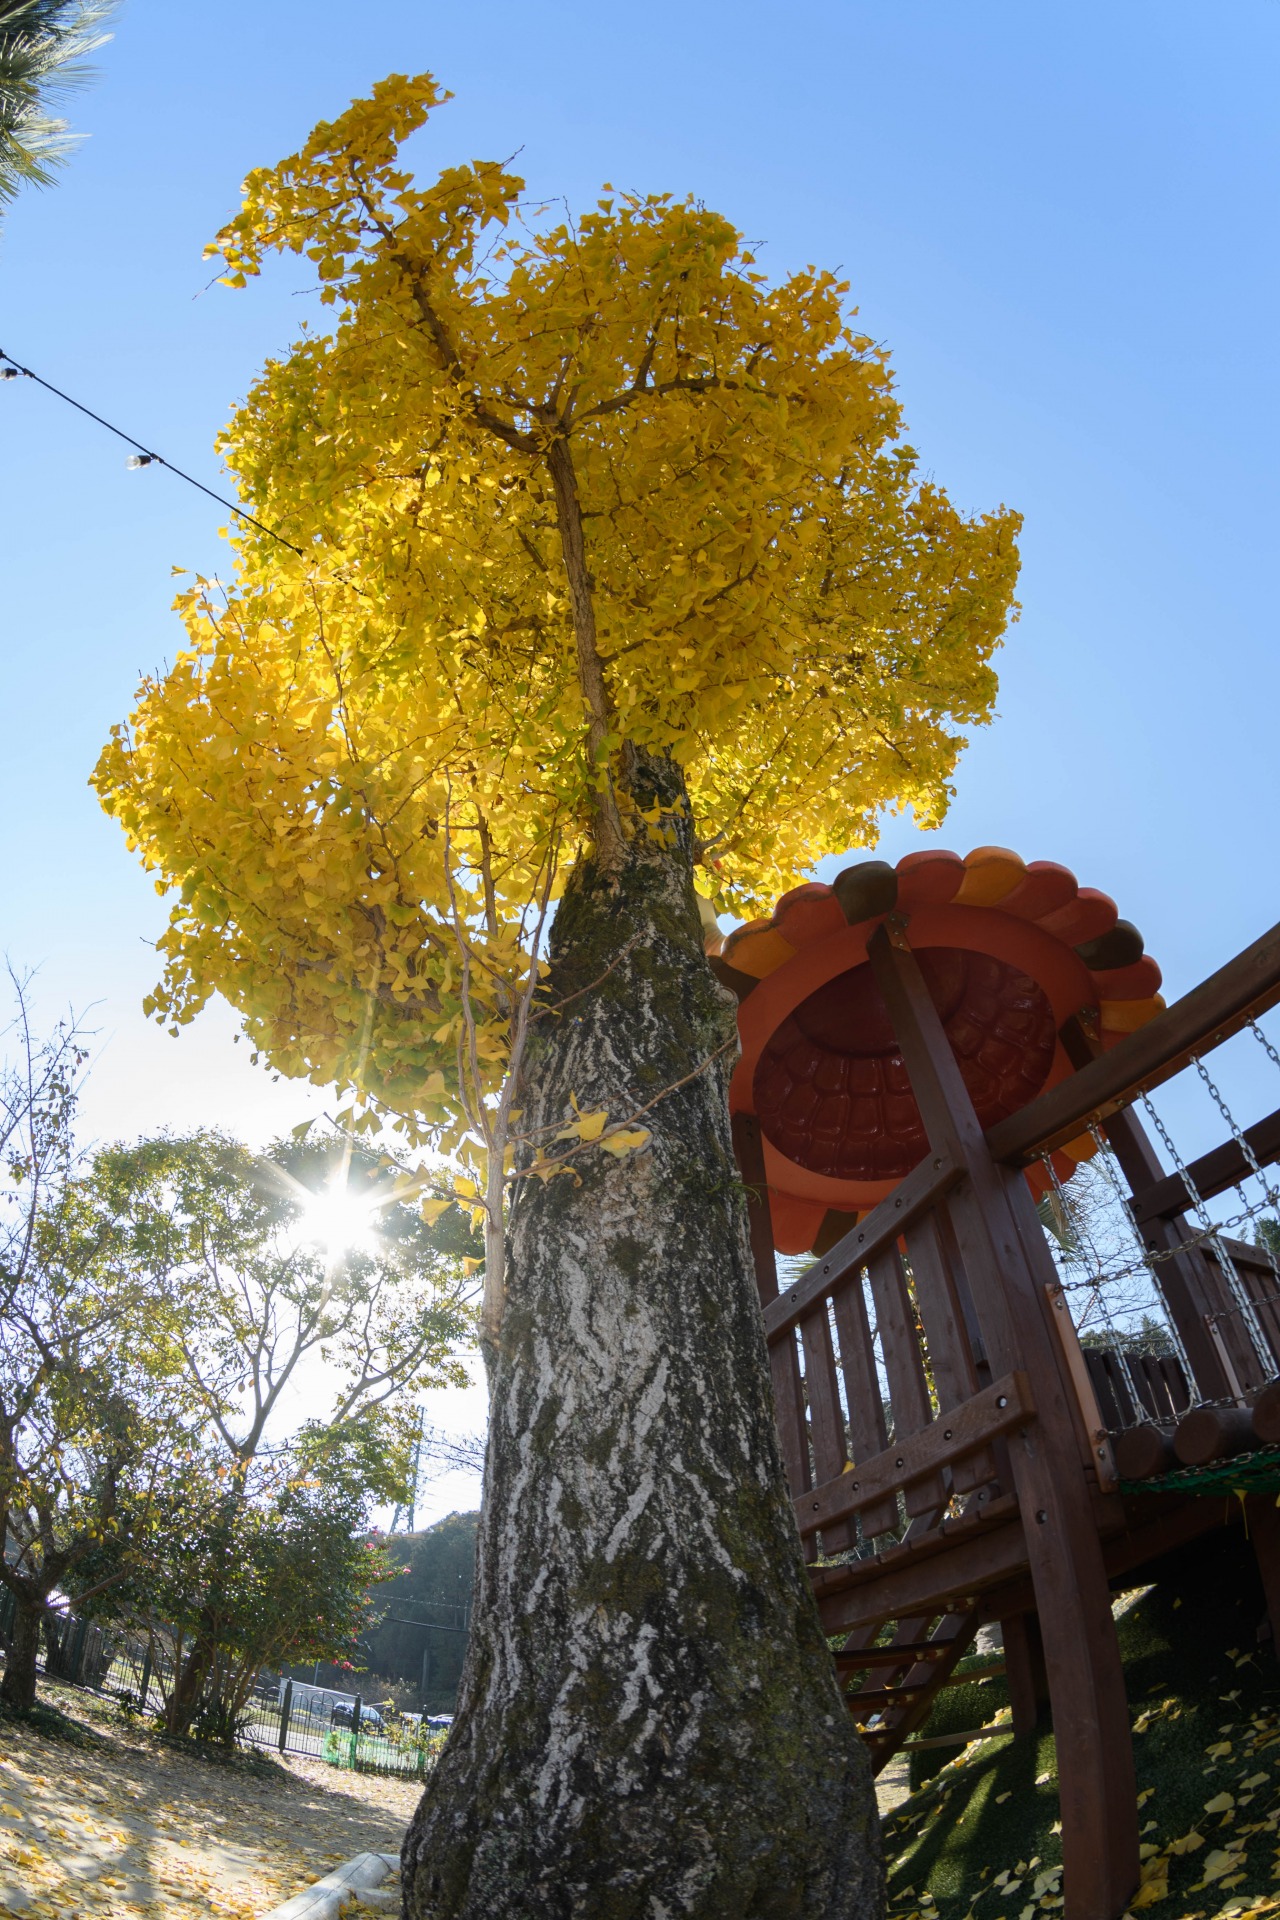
column 1126, row 1016
column 928, row 879
column 833, row 1096
column 1045, row 887
column 1135, row 982
column 1083, row 918
column 806, row 913
column 760, row 953
column 989, row 874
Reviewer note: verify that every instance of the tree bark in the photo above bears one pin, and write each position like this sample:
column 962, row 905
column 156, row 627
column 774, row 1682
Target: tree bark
column 648, row 1724
column 18, row 1688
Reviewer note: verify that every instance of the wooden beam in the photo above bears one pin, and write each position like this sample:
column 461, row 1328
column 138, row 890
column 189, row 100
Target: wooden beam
column 1209, row 1014
column 920, row 1584
column 923, row 1187
column 1002, row 1407
column 1211, row 1174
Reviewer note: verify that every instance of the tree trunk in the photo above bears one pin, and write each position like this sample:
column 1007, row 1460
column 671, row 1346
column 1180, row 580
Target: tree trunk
column 18, row 1688
column 648, row 1723
column 188, row 1684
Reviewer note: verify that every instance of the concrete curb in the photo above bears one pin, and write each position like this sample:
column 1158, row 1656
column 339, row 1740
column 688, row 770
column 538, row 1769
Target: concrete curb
column 326, row 1898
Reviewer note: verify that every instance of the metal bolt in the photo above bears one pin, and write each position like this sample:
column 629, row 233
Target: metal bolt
column 1041, row 1516
column 1003, row 1400
column 946, row 1433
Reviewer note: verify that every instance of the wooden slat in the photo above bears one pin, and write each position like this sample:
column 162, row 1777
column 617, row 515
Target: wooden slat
column 867, row 1433
column 1209, row 1014
column 826, row 1417
column 923, row 1186
column 1002, row 1407
column 957, row 1352
column 1258, row 1278
column 904, row 1367
column 1211, row 1174
column 788, row 1403
column 920, row 1583
column 980, row 1517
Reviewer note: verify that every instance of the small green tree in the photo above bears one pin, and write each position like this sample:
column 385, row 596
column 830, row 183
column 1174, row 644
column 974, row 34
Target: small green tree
column 271, row 1314
column 92, row 1405
column 268, row 1569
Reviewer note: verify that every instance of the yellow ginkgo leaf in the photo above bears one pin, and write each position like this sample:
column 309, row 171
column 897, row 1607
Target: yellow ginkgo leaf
column 625, row 1140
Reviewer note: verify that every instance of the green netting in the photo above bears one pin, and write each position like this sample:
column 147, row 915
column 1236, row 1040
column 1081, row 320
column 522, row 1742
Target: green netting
column 1243, row 1473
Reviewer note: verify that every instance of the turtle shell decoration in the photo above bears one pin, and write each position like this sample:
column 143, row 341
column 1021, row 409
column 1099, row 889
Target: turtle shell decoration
column 1009, row 950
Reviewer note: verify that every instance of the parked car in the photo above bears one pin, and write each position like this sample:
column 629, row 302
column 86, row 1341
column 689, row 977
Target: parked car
column 344, row 1715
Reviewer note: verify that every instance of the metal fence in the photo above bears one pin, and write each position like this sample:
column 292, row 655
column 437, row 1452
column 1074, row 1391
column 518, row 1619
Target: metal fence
column 136, row 1672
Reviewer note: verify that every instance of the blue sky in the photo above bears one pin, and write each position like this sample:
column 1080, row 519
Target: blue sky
column 1061, row 219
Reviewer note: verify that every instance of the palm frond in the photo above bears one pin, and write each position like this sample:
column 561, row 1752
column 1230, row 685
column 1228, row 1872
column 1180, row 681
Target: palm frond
column 45, row 46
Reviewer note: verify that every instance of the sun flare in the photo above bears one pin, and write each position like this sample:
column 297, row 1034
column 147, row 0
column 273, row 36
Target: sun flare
column 338, row 1221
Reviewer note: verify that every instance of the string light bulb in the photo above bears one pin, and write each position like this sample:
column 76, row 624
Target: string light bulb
column 140, row 460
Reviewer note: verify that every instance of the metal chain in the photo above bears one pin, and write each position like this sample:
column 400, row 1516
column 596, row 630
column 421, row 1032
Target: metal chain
column 1148, row 1260
column 1212, row 1234
column 1264, row 1043
column 1271, row 1193
column 1241, row 1140
column 1098, row 1278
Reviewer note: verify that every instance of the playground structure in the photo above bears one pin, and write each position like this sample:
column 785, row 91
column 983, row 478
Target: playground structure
column 925, row 1050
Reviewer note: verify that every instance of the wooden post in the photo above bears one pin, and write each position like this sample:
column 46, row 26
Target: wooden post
column 1263, row 1522
column 1009, row 1268
column 286, row 1706
column 1024, row 1670
column 784, row 1362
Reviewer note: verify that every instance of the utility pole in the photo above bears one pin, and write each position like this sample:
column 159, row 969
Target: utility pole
column 410, row 1511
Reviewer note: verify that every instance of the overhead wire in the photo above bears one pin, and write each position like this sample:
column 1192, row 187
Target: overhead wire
column 11, row 368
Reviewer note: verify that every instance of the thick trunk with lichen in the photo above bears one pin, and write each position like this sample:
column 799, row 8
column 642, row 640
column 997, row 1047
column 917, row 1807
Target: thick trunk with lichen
column 648, row 1725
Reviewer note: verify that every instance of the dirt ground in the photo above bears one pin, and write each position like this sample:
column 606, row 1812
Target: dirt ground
column 134, row 1828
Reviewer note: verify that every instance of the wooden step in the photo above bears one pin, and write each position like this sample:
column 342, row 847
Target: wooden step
column 902, row 1654
column 952, row 1739
column 886, row 1696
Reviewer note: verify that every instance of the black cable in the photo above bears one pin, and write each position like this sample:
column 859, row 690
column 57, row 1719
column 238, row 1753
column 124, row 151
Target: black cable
column 148, row 457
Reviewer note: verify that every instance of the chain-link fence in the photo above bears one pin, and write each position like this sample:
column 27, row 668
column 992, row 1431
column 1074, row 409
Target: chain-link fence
column 280, row 1716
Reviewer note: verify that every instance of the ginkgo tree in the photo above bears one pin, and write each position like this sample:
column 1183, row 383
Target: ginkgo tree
column 598, row 563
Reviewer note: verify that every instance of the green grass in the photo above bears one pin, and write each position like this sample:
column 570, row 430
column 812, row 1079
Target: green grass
column 1196, row 1681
